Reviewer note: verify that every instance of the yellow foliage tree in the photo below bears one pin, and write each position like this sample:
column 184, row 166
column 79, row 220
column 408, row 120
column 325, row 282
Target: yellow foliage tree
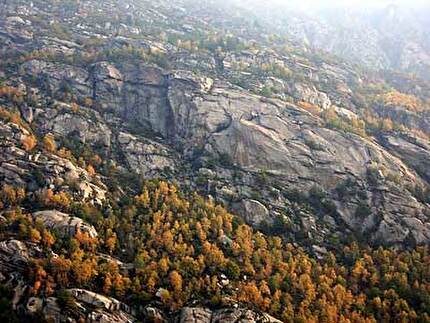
column 395, row 98
column 29, row 142
column 387, row 124
column 49, row 143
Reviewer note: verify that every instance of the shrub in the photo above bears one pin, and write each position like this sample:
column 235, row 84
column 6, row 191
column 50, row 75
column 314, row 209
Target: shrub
column 225, row 160
column 363, row 210
column 312, row 108
column 49, row 143
column 29, row 142
column 266, row 91
column 395, row 98
column 66, row 301
column 373, row 175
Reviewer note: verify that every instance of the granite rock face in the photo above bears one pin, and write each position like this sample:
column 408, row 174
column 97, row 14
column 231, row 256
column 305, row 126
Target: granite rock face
column 192, row 118
column 415, row 152
column 145, row 156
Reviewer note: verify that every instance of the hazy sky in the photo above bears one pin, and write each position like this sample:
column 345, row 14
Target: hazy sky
column 361, row 3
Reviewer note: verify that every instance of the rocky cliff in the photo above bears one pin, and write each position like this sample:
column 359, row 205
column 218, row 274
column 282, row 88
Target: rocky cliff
column 201, row 121
column 297, row 144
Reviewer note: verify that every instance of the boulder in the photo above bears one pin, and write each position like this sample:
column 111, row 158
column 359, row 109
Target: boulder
column 241, row 315
column 64, row 223
column 254, row 212
column 95, row 300
column 153, row 315
column 195, row 315
column 14, row 255
column 101, row 316
column 34, row 305
column 310, row 94
column 203, row 315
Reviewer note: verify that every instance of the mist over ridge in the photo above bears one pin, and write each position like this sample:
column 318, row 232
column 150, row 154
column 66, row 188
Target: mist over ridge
column 376, row 34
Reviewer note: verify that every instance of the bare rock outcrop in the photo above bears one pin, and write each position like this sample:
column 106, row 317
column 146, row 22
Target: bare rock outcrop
column 415, row 152
column 254, row 212
column 14, row 256
column 311, row 95
column 203, row 315
column 145, row 156
column 64, row 223
column 190, row 117
column 36, row 170
column 90, row 306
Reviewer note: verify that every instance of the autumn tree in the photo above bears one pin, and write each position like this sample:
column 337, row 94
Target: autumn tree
column 90, row 170
column 175, row 281
column 29, row 142
column 48, row 198
column 387, row 124
column 49, row 143
column 185, row 248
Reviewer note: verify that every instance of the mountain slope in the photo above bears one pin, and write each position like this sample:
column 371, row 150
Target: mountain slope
column 98, row 98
